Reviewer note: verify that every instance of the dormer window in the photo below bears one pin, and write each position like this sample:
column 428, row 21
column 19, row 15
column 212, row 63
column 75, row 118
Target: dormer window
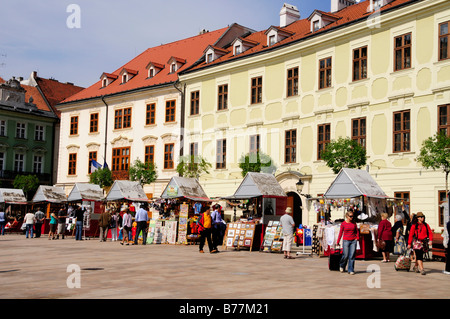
column 275, row 35
column 127, row 74
column 154, row 68
column 107, row 79
column 175, row 64
column 241, row 45
column 320, row 19
column 212, row 53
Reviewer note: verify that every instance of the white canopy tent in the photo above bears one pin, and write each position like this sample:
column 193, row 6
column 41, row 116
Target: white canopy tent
column 87, row 192
column 129, row 190
column 50, row 194
column 12, row 196
column 256, row 185
column 189, row 188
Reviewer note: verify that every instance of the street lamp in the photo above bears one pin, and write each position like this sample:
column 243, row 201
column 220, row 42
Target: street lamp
column 299, row 186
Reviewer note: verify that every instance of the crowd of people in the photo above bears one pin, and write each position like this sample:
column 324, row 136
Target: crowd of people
column 417, row 235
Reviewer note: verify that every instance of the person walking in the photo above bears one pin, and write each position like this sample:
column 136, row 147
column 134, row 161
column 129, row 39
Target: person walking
column 204, row 229
column 53, row 223
column 126, row 225
column 287, row 224
column 447, row 255
column 218, row 227
column 40, row 218
column 350, row 234
column 29, row 221
column 79, row 215
column 103, row 224
column 141, row 219
column 420, row 238
column 385, row 234
column 62, row 215
column 113, row 226
column 2, row 221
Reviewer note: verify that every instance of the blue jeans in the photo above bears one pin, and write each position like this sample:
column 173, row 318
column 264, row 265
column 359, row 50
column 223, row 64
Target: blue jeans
column 2, row 228
column 348, row 255
column 29, row 230
column 79, row 230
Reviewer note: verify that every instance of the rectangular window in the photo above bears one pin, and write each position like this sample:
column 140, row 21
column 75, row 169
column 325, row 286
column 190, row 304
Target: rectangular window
column 325, row 73
column 2, row 128
column 170, row 111
column 74, row 125
column 254, row 144
column 122, row 118
column 292, row 82
column 402, row 52
column 442, row 199
column 92, row 156
column 195, row 103
column 405, row 197
column 72, row 164
column 272, row 40
column 444, row 36
column 37, row 164
column 223, row 97
column 256, row 90
column 150, row 154
column 290, row 146
column 93, row 124
column 150, row 114
column 359, row 131
column 360, row 64
column 221, row 155
column 444, row 119
column 19, row 162
column 20, row 130
column 168, row 156
column 120, row 159
column 2, row 161
column 323, row 138
column 193, row 149
column 39, row 133
column 402, row 131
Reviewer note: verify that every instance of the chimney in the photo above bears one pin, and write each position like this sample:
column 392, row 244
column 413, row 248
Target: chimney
column 288, row 15
column 337, row 5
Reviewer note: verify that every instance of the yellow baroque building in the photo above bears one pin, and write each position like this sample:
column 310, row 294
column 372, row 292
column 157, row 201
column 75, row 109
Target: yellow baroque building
column 375, row 71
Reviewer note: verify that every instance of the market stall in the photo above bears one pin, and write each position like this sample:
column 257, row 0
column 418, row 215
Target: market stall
column 179, row 206
column 126, row 193
column 356, row 190
column 49, row 198
column 91, row 198
column 15, row 206
column 263, row 201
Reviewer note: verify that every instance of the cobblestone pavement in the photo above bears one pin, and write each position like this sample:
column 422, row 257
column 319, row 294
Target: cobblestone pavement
column 39, row 268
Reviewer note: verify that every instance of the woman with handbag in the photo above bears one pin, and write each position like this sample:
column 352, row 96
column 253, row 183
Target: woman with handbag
column 385, row 235
column 420, row 239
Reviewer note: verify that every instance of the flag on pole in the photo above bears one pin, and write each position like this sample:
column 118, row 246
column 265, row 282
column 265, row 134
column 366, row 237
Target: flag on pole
column 95, row 166
column 105, row 165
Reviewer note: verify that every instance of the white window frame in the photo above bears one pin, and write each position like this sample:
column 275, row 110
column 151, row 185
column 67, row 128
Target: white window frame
column 2, row 127
column 39, row 133
column 21, row 128
column 19, row 163
column 39, row 162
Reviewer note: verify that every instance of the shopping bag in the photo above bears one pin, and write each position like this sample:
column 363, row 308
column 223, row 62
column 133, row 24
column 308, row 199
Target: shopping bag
column 403, row 262
column 400, row 246
column 334, row 259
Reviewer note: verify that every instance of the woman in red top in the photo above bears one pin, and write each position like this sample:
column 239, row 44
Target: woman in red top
column 385, row 233
column 418, row 233
column 351, row 235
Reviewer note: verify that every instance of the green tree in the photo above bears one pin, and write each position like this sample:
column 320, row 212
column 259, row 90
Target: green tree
column 344, row 153
column 435, row 154
column 256, row 162
column 101, row 177
column 192, row 166
column 144, row 173
column 28, row 183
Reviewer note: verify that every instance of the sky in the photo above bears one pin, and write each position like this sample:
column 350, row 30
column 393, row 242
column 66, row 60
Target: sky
column 77, row 40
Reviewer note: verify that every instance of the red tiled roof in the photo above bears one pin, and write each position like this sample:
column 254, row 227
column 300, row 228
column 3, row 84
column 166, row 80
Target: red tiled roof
column 301, row 29
column 188, row 50
column 1, row 80
column 32, row 91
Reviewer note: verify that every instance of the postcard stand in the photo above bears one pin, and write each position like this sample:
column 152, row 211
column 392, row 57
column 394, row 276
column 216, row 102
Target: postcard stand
column 273, row 239
column 239, row 235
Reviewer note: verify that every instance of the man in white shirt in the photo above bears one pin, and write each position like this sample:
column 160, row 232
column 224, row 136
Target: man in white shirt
column 287, row 222
column 141, row 219
column 29, row 220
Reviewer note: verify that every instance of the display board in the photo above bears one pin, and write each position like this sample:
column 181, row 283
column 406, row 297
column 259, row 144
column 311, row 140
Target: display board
column 151, row 231
column 273, row 239
column 239, row 235
column 158, row 235
column 170, row 232
column 183, row 222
